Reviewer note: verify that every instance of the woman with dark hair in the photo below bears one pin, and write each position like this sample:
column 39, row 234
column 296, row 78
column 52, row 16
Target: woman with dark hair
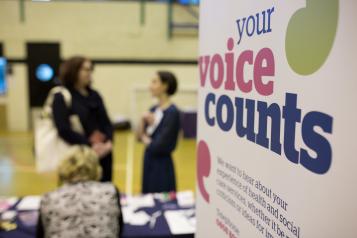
column 158, row 130
column 87, row 104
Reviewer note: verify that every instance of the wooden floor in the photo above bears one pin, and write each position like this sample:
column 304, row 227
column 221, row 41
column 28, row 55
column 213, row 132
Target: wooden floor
column 18, row 176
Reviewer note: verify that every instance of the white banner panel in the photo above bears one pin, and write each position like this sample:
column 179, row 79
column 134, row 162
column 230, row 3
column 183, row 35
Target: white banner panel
column 277, row 119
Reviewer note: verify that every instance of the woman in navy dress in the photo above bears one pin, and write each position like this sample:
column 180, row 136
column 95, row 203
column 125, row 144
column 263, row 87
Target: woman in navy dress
column 158, row 130
column 87, row 104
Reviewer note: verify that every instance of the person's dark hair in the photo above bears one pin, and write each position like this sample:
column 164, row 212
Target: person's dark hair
column 69, row 70
column 169, row 79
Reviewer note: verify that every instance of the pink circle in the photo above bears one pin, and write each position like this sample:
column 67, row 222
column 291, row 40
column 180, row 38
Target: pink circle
column 203, row 167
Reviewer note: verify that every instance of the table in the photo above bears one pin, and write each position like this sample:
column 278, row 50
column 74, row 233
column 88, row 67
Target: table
column 26, row 221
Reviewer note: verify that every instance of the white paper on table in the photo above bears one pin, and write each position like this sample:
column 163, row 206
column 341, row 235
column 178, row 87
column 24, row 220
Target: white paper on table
column 140, row 219
column 29, row 203
column 128, row 213
column 141, row 201
column 7, row 202
column 135, row 218
column 179, row 222
column 185, row 199
column 8, row 215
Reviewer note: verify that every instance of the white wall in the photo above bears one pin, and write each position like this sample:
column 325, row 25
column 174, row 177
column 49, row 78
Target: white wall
column 18, row 100
column 95, row 29
column 117, row 85
column 102, row 30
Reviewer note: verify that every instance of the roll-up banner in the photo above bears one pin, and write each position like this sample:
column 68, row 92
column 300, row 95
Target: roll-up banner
column 277, row 119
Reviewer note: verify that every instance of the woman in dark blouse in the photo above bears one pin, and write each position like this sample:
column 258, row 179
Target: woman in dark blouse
column 158, row 130
column 87, row 104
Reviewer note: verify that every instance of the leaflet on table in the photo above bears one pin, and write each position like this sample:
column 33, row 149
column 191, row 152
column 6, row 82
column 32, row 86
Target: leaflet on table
column 181, row 221
column 135, row 218
column 7, row 202
column 29, row 203
column 185, row 199
column 8, row 215
column 140, row 201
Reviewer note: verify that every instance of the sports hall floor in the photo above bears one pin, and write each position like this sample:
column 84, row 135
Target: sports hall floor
column 18, row 176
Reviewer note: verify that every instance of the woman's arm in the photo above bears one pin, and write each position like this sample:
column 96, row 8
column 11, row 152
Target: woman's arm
column 165, row 141
column 61, row 119
column 106, row 123
column 147, row 118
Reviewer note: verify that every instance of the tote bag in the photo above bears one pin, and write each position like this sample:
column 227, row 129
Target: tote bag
column 50, row 148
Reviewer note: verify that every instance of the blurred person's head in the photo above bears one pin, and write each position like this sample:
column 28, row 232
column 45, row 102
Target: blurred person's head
column 79, row 164
column 76, row 72
column 164, row 83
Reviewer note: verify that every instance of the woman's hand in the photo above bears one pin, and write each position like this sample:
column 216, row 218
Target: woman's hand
column 102, row 149
column 145, row 139
column 97, row 137
column 148, row 118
